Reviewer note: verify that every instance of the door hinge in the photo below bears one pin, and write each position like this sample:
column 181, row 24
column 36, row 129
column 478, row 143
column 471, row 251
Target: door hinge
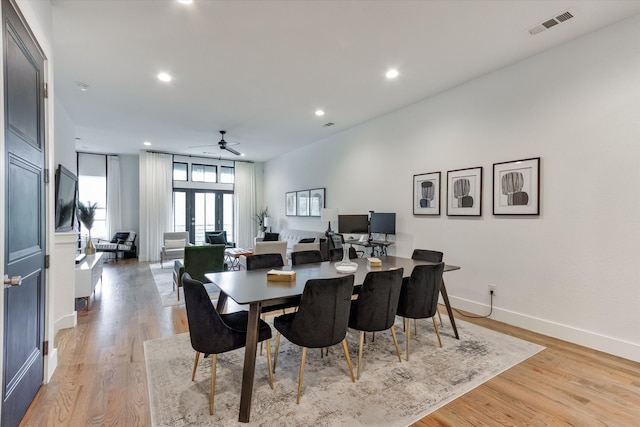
column 45, row 348
column 46, row 176
column 46, row 261
column 46, row 90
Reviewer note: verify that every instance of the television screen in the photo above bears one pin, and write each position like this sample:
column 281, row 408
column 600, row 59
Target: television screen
column 66, row 184
column 383, row 223
column 356, row 224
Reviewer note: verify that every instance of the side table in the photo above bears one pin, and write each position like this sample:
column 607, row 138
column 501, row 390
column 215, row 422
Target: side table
column 232, row 256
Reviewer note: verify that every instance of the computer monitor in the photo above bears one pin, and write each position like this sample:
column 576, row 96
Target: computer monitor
column 353, row 224
column 383, row 223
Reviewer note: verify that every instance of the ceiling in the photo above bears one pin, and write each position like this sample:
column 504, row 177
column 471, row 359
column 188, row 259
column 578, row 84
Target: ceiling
column 260, row 69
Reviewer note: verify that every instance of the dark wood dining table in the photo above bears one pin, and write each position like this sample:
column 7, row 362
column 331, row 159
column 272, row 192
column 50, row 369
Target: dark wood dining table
column 252, row 288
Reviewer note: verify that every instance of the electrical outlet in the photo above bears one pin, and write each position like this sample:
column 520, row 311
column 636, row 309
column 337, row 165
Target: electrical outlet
column 492, row 289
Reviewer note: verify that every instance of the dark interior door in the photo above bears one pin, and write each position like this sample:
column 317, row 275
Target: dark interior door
column 24, row 217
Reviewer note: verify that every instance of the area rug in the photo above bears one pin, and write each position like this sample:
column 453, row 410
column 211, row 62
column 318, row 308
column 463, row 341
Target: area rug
column 389, row 393
column 163, row 278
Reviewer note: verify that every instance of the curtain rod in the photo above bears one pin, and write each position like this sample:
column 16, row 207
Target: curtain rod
column 193, row 155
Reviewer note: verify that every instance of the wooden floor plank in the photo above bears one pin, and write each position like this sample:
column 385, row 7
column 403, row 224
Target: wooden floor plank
column 101, row 376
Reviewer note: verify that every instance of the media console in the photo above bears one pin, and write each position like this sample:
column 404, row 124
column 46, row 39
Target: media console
column 88, row 272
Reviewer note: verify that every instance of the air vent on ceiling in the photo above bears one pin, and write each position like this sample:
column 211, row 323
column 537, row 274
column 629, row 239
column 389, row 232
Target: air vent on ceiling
column 552, row 22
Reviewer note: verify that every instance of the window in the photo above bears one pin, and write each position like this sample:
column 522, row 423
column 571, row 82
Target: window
column 179, row 171
column 204, row 173
column 92, row 188
column 227, row 174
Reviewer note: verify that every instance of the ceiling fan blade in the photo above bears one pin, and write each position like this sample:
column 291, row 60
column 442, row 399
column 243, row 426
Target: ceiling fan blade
column 237, row 153
column 200, row 146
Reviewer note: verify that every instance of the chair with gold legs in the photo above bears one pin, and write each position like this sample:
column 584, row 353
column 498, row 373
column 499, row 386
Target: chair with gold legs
column 321, row 319
column 376, row 306
column 213, row 333
column 419, row 296
column 429, row 256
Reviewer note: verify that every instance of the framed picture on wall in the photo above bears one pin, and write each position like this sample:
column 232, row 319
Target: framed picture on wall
column 464, row 192
column 516, row 187
column 290, row 204
column 303, row 202
column 426, row 193
column 316, row 201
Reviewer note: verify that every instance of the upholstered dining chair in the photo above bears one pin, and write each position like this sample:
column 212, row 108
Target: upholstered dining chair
column 213, row 333
column 419, row 296
column 376, row 306
column 306, row 257
column 279, row 247
column 321, row 320
column 429, row 256
column 255, row 262
column 335, row 254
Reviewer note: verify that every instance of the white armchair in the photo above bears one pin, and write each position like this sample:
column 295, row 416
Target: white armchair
column 173, row 245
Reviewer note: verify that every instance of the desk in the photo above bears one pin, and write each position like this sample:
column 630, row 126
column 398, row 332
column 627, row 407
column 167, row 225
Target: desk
column 380, row 245
column 251, row 287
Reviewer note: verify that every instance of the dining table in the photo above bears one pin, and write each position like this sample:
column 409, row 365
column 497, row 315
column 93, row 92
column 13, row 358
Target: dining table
column 251, row 287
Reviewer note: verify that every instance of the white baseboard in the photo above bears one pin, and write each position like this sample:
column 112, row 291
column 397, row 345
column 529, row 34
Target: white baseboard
column 67, row 321
column 50, row 364
column 614, row 346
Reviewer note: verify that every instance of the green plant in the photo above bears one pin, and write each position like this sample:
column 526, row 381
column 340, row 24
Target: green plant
column 260, row 216
column 87, row 213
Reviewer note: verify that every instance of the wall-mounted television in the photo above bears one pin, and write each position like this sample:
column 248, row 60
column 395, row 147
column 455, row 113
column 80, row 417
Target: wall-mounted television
column 383, row 223
column 354, row 224
column 66, row 190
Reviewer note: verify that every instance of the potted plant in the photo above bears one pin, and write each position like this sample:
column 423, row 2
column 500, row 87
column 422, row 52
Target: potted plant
column 259, row 219
column 86, row 215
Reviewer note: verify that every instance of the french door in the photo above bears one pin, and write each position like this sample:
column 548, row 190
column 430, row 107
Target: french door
column 197, row 211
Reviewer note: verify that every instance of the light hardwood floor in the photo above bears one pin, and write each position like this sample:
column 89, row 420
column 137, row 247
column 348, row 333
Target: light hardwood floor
column 101, row 378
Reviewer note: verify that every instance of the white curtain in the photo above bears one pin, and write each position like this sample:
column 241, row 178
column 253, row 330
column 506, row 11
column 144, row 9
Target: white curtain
column 114, row 215
column 156, row 193
column 245, row 204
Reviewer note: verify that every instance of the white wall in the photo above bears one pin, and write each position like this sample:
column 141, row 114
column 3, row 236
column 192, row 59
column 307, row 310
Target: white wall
column 573, row 271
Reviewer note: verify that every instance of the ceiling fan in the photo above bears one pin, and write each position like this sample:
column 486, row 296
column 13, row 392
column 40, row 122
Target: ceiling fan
column 224, row 145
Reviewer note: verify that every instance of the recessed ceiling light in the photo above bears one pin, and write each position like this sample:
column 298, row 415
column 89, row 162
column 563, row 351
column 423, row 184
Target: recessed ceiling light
column 185, row 1
column 164, row 77
column 147, row 143
column 83, row 86
column 319, row 113
column 392, row 73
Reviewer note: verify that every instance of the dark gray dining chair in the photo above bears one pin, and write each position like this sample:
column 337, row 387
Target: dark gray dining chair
column 429, row 256
column 321, row 320
column 214, row 333
column 336, row 254
column 419, row 296
column 259, row 261
column 255, row 262
column 306, row 257
column 376, row 306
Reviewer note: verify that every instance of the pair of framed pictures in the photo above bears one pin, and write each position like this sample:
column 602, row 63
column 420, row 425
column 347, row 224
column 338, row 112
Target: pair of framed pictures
column 516, row 190
column 305, row 202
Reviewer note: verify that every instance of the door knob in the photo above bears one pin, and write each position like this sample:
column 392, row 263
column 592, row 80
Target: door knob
column 13, row 281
